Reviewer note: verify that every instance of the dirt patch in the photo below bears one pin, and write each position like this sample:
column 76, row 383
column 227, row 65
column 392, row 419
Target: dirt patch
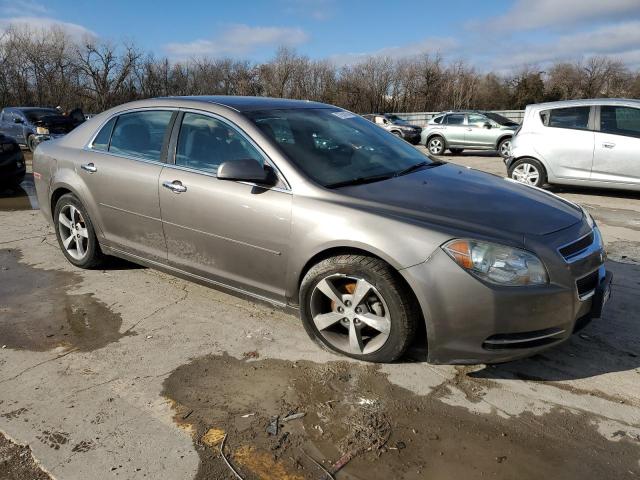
column 17, row 463
column 39, row 314
column 353, row 416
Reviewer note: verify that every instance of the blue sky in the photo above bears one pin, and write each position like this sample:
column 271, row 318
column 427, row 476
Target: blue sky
column 497, row 34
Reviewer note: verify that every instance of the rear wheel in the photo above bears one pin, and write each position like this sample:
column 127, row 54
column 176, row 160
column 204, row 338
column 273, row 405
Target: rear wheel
column 358, row 306
column 456, row 151
column 529, row 171
column 75, row 233
column 436, row 145
column 397, row 133
column 504, row 147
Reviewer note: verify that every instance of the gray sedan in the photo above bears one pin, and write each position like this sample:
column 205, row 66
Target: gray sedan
column 313, row 208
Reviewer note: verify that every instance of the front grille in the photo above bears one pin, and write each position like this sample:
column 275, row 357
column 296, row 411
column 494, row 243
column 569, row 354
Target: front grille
column 575, row 248
column 587, row 284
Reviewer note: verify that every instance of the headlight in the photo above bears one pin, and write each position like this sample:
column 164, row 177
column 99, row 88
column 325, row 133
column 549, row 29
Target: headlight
column 497, row 264
column 42, row 131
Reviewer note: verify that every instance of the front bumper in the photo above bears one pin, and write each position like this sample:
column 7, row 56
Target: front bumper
column 508, row 161
column 469, row 321
column 412, row 137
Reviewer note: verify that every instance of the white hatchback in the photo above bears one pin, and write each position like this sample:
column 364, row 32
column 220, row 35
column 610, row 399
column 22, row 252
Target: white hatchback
column 578, row 142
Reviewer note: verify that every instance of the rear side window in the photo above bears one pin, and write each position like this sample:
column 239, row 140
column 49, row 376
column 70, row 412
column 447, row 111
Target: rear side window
column 205, row 142
column 572, row 117
column 101, row 142
column 140, row 134
column 455, row 119
column 620, row 120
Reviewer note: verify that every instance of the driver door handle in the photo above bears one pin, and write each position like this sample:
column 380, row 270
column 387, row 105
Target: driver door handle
column 176, row 186
column 89, row 167
column 608, row 145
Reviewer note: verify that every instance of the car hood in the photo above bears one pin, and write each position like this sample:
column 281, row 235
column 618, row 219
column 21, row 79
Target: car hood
column 463, row 198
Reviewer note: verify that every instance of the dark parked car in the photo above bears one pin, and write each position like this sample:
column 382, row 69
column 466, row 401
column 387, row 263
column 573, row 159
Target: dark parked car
column 12, row 167
column 314, row 208
column 397, row 126
column 30, row 126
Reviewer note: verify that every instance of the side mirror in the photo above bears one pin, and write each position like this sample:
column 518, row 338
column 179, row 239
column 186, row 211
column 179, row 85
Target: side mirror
column 487, row 125
column 247, row 170
column 17, row 120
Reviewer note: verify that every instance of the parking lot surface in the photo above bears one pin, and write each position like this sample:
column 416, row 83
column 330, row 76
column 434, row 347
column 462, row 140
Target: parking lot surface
column 127, row 372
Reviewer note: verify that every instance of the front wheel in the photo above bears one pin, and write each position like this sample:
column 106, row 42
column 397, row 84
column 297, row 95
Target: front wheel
column 529, row 171
column 75, row 233
column 358, row 306
column 31, row 143
column 436, row 145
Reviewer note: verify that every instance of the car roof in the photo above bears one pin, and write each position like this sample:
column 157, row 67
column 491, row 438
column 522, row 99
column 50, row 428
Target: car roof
column 586, row 102
column 246, row 104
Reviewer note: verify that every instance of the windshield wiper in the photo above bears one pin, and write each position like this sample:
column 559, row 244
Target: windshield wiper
column 418, row 166
column 360, row 181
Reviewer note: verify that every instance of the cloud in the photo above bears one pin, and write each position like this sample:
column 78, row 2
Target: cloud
column 619, row 40
column 75, row 31
column 239, row 40
column 19, row 8
column 534, row 14
column 428, row 45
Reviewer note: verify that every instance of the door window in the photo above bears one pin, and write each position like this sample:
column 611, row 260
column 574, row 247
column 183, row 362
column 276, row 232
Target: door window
column 572, row 117
column 205, row 142
column 455, row 119
column 438, row 120
column 140, row 134
column 101, row 142
column 477, row 120
column 620, row 120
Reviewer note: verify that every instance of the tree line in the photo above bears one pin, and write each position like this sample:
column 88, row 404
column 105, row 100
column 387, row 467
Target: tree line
column 50, row 68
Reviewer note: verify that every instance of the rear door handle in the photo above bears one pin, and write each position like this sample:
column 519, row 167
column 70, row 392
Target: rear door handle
column 176, row 186
column 89, row 167
column 608, row 145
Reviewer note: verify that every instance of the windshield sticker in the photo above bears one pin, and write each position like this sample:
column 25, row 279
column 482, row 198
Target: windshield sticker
column 344, row 114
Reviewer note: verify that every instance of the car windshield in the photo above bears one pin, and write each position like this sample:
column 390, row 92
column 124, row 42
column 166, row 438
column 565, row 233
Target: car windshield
column 35, row 115
column 500, row 119
column 397, row 120
column 335, row 147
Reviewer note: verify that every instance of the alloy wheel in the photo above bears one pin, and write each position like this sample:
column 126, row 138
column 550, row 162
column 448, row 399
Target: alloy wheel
column 73, row 232
column 435, row 146
column 526, row 173
column 505, row 148
column 350, row 314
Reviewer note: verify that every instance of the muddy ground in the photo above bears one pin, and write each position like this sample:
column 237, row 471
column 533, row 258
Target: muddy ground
column 126, row 372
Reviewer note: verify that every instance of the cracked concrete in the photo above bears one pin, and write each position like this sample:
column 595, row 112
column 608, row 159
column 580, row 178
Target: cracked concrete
column 103, row 407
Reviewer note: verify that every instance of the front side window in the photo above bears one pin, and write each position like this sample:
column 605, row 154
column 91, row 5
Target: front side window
column 455, row 119
column 620, row 120
column 438, row 119
column 572, row 117
column 334, row 147
column 205, row 142
column 101, row 142
column 477, row 119
column 140, row 134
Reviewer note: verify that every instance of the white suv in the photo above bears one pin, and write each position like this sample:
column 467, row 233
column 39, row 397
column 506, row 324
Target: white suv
column 578, row 142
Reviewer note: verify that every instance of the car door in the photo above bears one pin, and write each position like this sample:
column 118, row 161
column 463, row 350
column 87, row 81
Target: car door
column 567, row 140
column 232, row 233
column 478, row 134
column 616, row 155
column 121, row 168
column 11, row 128
column 455, row 129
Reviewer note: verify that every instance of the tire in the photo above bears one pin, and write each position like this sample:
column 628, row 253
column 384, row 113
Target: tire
column 397, row 133
column 436, row 145
column 456, row 151
column 31, row 143
column 88, row 255
column 528, row 171
column 504, row 147
column 387, row 303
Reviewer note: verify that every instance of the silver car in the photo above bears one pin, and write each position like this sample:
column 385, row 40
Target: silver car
column 580, row 142
column 468, row 130
column 315, row 209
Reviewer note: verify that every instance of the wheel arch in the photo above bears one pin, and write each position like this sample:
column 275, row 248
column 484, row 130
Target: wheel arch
column 503, row 137
column 437, row 134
